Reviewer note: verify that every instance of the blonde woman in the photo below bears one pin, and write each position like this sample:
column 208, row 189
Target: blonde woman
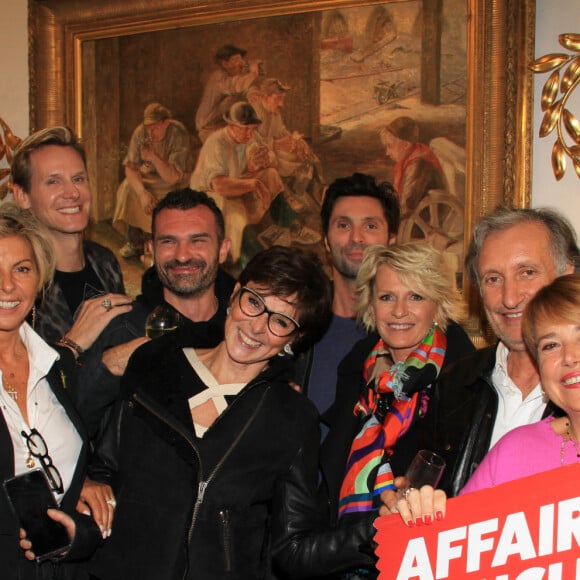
column 386, row 383
column 39, row 428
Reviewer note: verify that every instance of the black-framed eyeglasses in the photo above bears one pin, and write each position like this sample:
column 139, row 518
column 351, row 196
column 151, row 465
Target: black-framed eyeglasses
column 37, row 448
column 252, row 304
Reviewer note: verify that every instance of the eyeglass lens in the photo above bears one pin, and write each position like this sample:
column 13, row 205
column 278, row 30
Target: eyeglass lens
column 252, row 304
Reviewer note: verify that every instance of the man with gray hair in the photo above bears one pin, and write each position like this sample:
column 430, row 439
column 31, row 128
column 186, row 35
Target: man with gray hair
column 513, row 254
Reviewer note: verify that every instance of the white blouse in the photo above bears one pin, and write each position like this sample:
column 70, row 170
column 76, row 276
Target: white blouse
column 45, row 414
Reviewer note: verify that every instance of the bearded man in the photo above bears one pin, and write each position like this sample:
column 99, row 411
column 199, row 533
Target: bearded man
column 188, row 246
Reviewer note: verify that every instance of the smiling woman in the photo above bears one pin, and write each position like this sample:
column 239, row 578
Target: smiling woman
column 35, row 412
column 224, row 430
column 403, row 295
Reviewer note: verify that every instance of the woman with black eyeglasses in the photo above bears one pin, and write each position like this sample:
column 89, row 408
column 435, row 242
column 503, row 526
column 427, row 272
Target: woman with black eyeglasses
column 39, row 429
column 215, row 454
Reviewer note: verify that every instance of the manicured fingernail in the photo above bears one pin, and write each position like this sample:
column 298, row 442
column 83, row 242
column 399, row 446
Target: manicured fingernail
column 419, row 521
column 439, row 515
column 427, row 519
column 86, row 513
column 411, row 523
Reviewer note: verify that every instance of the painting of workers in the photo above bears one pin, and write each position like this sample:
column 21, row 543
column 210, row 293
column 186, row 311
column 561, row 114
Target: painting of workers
column 241, row 173
column 225, row 85
column 158, row 161
column 323, row 85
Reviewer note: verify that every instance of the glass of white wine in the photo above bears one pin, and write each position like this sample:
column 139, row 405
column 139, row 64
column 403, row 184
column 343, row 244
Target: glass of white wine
column 425, row 469
column 161, row 321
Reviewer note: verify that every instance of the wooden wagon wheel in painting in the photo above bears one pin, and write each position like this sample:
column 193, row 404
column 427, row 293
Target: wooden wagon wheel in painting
column 438, row 218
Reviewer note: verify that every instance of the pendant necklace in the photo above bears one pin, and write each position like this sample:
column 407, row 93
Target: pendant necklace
column 568, row 437
column 30, row 463
column 13, row 394
column 9, row 388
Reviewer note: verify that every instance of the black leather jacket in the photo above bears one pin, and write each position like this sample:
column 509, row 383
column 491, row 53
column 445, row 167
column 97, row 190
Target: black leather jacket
column 462, row 416
column 97, row 389
column 238, row 503
column 53, row 317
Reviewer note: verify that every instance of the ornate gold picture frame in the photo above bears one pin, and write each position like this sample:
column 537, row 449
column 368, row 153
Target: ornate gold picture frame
column 500, row 47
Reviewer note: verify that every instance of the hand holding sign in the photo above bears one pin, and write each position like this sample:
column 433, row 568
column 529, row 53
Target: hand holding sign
column 513, row 531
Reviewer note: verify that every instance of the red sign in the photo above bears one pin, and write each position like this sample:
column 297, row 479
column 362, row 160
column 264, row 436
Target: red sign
column 528, row 529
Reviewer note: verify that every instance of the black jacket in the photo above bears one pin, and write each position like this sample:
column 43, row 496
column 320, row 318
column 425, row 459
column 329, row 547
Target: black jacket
column 462, row 416
column 13, row 565
column 225, row 505
column 97, row 388
column 52, row 316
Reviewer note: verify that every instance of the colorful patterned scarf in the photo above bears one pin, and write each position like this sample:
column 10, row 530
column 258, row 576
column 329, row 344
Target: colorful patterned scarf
column 368, row 471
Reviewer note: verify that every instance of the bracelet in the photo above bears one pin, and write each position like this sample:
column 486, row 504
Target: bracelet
column 66, row 341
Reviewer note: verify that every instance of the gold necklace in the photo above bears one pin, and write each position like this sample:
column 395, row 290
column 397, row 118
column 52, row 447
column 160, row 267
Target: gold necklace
column 9, row 388
column 568, row 437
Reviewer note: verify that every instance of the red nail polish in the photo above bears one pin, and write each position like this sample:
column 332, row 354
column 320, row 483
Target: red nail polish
column 439, row 515
column 411, row 523
column 427, row 519
column 419, row 521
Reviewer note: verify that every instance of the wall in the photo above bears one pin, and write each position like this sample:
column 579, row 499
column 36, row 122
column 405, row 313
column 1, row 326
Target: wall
column 14, row 65
column 553, row 17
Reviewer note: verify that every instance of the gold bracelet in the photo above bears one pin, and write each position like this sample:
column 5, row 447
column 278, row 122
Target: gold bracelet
column 66, row 341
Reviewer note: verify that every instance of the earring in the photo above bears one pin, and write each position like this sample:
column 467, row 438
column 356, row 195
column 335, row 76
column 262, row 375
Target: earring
column 288, row 349
column 228, row 310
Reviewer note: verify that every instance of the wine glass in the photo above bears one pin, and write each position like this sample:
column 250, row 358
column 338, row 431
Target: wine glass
column 160, row 321
column 425, row 469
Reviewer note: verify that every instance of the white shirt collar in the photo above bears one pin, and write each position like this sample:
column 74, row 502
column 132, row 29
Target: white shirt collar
column 501, row 370
column 501, row 356
column 41, row 356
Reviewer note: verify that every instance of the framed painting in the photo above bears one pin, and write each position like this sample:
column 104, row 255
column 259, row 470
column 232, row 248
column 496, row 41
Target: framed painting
column 455, row 70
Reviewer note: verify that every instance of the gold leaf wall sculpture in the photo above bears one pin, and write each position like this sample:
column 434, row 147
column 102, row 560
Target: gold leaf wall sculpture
column 564, row 69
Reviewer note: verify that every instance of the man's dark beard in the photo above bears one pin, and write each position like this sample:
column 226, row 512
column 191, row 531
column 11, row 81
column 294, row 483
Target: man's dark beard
column 343, row 267
column 198, row 284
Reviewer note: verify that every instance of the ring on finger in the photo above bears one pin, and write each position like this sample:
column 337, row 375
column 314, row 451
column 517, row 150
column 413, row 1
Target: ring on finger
column 407, row 492
column 112, row 502
column 106, row 304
